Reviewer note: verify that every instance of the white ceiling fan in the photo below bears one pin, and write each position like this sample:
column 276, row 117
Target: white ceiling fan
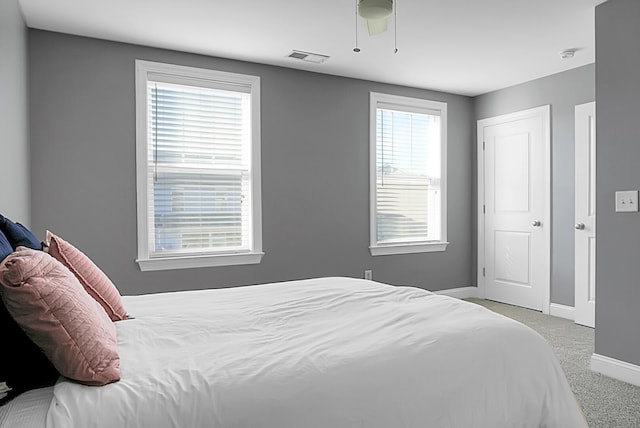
column 376, row 12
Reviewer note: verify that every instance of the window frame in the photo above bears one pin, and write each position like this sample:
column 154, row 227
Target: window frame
column 188, row 75
column 410, row 105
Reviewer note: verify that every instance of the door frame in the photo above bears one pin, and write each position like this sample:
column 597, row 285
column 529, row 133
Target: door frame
column 543, row 112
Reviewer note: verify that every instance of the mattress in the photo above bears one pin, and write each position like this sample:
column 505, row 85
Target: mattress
column 327, row 352
column 28, row 410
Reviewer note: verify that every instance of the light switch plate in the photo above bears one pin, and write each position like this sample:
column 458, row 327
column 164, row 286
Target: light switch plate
column 627, row 201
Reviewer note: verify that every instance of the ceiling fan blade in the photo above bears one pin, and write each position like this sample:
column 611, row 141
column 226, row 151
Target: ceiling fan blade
column 376, row 26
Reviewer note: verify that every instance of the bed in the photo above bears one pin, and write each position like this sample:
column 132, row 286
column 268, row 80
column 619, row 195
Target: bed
column 326, row 352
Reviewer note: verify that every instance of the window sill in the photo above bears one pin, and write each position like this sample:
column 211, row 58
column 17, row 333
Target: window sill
column 422, row 247
column 188, row 262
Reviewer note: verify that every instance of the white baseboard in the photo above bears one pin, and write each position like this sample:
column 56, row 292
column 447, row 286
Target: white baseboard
column 459, row 293
column 562, row 311
column 616, row 369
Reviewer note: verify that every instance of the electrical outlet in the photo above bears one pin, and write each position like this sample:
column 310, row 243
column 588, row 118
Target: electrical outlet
column 368, row 274
column 627, row 201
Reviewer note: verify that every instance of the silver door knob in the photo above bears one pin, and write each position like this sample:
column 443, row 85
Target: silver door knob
column 536, row 223
column 579, row 226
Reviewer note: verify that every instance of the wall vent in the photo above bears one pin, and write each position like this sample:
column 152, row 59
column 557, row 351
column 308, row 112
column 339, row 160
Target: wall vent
column 308, row 56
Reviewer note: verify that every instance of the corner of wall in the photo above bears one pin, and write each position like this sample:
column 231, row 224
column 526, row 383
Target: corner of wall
column 14, row 162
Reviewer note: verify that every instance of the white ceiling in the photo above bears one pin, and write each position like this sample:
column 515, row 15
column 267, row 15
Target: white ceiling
column 467, row 47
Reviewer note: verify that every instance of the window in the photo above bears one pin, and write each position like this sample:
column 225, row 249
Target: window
column 408, row 175
column 198, row 167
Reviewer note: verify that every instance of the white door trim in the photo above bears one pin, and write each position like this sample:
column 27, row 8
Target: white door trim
column 545, row 113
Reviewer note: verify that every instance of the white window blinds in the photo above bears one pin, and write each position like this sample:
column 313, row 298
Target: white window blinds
column 199, row 169
column 198, row 151
column 407, row 197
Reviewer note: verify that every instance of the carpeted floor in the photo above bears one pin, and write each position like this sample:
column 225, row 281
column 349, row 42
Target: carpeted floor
column 607, row 403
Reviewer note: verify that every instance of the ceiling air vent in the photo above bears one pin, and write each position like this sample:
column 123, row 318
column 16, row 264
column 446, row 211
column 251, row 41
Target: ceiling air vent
column 308, row 57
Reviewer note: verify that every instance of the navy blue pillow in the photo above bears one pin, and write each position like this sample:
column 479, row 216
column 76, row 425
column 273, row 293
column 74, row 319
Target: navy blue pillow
column 5, row 247
column 23, row 366
column 18, row 235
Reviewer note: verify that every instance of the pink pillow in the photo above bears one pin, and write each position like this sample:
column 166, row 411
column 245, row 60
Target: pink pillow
column 50, row 305
column 97, row 284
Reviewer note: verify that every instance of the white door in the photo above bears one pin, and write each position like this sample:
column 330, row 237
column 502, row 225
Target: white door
column 515, row 214
column 585, row 214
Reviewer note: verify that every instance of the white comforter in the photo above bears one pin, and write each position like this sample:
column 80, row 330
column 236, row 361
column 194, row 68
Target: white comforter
column 326, row 353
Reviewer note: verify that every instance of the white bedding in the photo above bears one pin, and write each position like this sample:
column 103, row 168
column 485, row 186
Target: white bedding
column 27, row 410
column 325, row 353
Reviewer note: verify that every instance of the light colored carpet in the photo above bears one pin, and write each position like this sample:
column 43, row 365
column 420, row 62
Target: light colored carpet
column 607, row 403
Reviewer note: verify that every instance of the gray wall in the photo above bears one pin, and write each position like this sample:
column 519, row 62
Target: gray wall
column 314, row 169
column 14, row 140
column 562, row 91
column 618, row 159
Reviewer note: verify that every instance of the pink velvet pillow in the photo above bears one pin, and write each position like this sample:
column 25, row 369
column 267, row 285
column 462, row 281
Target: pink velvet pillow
column 97, row 284
column 50, row 305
